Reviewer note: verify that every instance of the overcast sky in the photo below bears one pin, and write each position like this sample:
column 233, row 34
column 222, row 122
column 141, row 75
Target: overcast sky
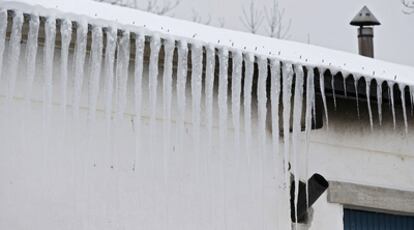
column 326, row 21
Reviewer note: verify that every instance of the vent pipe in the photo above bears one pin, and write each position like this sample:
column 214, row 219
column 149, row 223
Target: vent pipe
column 365, row 20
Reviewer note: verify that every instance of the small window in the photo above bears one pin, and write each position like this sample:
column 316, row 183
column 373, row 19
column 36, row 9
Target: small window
column 363, row 220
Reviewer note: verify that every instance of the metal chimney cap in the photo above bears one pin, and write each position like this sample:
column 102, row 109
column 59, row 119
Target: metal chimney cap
column 365, row 18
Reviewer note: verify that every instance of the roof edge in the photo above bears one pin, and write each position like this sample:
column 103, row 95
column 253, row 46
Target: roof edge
column 102, row 14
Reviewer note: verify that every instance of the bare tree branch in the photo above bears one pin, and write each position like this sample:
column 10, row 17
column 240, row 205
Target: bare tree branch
column 221, row 22
column 408, row 6
column 153, row 6
column 198, row 19
column 274, row 18
column 252, row 18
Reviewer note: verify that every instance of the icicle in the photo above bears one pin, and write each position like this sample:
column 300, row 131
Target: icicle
column 412, row 99
column 153, row 77
column 275, row 96
column 169, row 46
column 222, row 93
column 96, row 63
column 333, row 89
column 356, row 79
column 66, row 36
column 322, row 88
column 181, row 83
column 248, row 80
column 15, row 38
column 3, row 21
column 344, row 82
column 139, row 64
column 310, row 100
column 111, row 35
column 379, row 101
column 122, row 74
column 49, row 50
column 196, row 74
column 391, row 96
column 297, row 115
column 236, row 91
column 368, row 94
column 404, row 107
column 262, row 101
column 80, row 51
column 287, row 93
column 31, row 52
column 209, row 82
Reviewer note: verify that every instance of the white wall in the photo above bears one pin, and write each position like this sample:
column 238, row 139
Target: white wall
column 48, row 178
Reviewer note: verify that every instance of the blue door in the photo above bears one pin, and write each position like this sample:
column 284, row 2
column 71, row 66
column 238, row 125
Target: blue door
column 362, row 220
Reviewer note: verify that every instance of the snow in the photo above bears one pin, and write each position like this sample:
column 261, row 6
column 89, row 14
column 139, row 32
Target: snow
column 136, row 20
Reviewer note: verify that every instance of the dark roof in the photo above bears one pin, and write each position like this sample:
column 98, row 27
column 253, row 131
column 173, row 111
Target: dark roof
column 365, row 18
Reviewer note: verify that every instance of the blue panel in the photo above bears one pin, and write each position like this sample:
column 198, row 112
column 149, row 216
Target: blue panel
column 362, row 220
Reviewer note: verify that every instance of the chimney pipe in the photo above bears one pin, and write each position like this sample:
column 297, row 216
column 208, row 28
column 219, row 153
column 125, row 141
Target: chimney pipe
column 365, row 20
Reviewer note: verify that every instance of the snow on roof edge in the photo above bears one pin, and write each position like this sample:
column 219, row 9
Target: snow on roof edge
column 138, row 21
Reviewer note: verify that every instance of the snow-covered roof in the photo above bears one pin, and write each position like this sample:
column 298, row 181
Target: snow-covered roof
column 138, row 21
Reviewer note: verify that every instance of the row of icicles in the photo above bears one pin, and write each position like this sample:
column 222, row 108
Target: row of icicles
column 110, row 60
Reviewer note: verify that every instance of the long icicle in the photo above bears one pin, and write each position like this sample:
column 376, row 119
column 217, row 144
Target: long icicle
column 310, row 100
column 379, row 101
column 262, row 101
column 411, row 88
column 3, row 21
column 297, row 114
column 322, row 89
column 287, row 93
column 122, row 73
column 222, row 94
column 209, row 82
column 368, row 94
column 404, row 107
column 155, row 45
column 169, row 46
column 344, row 83
column 96, row 63
column 196, row 80
column 66, row 36
column 31, row 53
column 391, row 92
column 333, row 89
column 235, row 98
column 356, row 79
column 110, row 47
column 275, row 97
column 15, row 38
column 247, row 102
column 181, row 83
column 49, row 50
column 80, row 52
